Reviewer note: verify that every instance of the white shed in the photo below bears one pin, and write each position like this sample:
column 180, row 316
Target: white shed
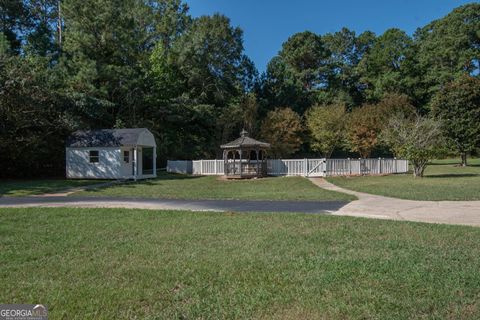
column 111, row 154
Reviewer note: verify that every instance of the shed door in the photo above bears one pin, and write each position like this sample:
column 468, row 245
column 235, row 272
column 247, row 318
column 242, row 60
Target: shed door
column 147, row 161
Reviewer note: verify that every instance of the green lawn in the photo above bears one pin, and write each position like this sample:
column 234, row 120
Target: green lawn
column 119, row 264
column 444, row 180
column 176, row 186
column 17, row 188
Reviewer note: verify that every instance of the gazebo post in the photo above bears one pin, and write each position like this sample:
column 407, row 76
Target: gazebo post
column 264, row 161
column 240, row 162
column 258, row 162
column 224, row 163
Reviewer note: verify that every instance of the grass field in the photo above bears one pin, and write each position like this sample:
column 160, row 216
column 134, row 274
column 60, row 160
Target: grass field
column 119, row 264
column 175, row 186
column 17, row 188
column 444, row 180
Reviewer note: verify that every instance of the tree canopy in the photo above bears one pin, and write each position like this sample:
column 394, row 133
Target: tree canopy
column 457, row 105
column 283, row 129
column 70, row 64
column 326, row 125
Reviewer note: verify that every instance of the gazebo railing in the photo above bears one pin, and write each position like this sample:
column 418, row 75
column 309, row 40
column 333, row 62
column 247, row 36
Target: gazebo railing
column 245, row 167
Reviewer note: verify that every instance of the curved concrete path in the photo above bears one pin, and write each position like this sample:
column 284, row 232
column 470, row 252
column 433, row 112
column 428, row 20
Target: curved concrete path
column 373, row 206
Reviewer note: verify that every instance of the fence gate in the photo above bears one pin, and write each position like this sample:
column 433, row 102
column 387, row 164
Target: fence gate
column 316, row 168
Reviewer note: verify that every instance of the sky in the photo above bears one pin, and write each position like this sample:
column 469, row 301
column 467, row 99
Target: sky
column 269, row 23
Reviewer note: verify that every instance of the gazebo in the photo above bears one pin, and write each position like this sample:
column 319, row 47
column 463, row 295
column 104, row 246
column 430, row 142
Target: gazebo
column 245, row 157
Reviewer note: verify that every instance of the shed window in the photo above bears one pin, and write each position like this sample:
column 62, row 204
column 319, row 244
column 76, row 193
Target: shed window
column 126, row 156
column 93, row 155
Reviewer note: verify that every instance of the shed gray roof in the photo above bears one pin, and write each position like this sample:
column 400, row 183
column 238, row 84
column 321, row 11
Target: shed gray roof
column 105, row 137
column 245, row 142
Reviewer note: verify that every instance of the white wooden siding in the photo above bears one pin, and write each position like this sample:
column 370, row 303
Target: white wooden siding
column 109, row 165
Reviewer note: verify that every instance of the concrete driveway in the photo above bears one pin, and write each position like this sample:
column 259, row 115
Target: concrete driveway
column 373, row 206
column 367, row 206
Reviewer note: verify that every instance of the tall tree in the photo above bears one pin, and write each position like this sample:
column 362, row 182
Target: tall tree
column 34, row 118
column 297, row 73
column 282, row 128
column 43, row 24
column 383, row 67
column 366, row 123
column 170, row 19
column 458, row 106
column 210, row 58
column 393, row 103
column 249, row 106
column 449, row 47
column 326, row 125
column 204, row 66
column 108, row 46
column 13, row 22
column 4, row 46
column 346, row 51
column 305, row 54
column 363, row 129
column 279, row 87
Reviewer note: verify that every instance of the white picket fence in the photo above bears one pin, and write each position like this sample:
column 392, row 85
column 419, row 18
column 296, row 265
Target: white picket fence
column 208, row 167
column 180, row 166
column 296, row 167
column 300, row 167
column 348, row 167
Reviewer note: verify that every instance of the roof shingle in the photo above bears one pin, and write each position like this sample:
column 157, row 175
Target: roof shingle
column 104, row 137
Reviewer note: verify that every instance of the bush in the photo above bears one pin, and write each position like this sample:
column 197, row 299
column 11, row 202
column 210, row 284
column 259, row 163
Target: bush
column 419, row 140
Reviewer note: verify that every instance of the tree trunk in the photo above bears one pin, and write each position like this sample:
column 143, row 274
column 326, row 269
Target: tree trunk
column 59, row 25
column 464, row 159
column 418, row 170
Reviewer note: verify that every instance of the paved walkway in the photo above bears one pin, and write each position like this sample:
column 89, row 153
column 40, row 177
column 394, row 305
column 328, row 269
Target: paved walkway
column 195, row 205
column 369, row 206
column 373, row 206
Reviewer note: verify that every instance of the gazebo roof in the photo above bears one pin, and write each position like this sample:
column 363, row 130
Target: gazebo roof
column 245, row 142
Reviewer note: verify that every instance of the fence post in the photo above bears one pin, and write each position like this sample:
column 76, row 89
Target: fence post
column 201, row 166
column 305, row 167
column 215, row 167
column 379, row 165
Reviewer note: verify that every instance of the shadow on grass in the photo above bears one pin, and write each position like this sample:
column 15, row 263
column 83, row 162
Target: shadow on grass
column 147, row 182
column 27, row 190
column 33, row 187
column 452, row 175
column 173, row 176
column 453, row 164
